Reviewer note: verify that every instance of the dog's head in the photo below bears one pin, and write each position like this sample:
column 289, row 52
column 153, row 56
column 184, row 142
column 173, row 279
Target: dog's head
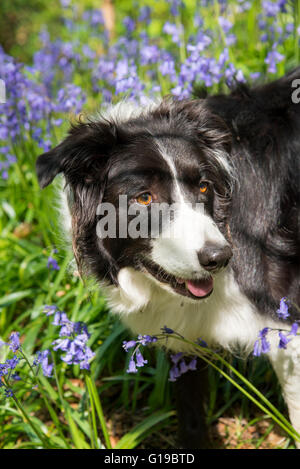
column 148, row 191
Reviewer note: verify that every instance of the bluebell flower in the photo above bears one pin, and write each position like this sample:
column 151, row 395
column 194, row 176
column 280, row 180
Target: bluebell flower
column 73, row 338
column 167, row 68
column 8, row 366
column 201, row 342
column 60, row 318
column 177, row 357
column 271, row 9
column 140, row 361
column 42, row 358
column 294, row 329
column 273, row 58
column 225, row 24
column 145, row 14
column 8, row 392
column 261, row 345
column 127, row 345
column 129, row 24
column 146, row 339
column 16, row 377
column 167, row 330
column 180, row 366
column 50, row 309
column 283, row 311
column 12, row 363
column 174, row 31
column 175, row 6
column 183, row 367
column 52, row 263
column 14, row 341
column 174, row 374
column 193, row 364
column 132, row 366
column 283, row 340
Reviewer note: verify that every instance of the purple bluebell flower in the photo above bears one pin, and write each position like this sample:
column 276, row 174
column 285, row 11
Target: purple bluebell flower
column 193, row 364
column 14, row 341
column 257, row 348
column 52, row 263
column 167, row 67
column 177, row 357
column 140, row 361
column 8, row 392
column 60, row 318
column 273, row 58
column 255, row 75
column 294, row 329
column 145, row 14
column 283, row 340
column 149, row 54
column 175, row 6
column 146, row 339
column 183, row 368
column 16, row 377
column 11, row 363
column 202, row 343
column 137, row 359
column 271, row 9
column 230, row 39
column 225, row 24
column 261, row 345
column 132, row 366
column 167, row 330
column 180, row 366
column 42, row 358
column 50, row 309
column 127, row 345
column 174, row 373
column 129, row 24
column 61, row 344
column 283, row 311
column 174, row 31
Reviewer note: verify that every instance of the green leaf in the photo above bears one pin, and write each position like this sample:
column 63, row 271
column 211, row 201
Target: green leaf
column 77, row 436
column 14, row 297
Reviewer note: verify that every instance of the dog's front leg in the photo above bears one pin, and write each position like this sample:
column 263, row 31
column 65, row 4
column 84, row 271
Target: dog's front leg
column 286, row 363
column 191, row 392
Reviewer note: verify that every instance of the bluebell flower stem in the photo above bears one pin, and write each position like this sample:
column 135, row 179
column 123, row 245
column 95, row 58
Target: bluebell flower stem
column 27, row 419
column 272, row 411
column 46, row 401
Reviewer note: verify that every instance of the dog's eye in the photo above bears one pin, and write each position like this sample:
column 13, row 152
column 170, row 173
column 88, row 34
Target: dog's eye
column 144, row 199
column 203, row 187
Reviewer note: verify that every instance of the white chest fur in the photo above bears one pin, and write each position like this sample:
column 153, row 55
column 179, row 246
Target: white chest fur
column 226, row 318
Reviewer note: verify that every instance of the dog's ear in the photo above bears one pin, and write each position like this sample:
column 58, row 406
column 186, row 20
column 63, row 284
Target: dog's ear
column 81, row 155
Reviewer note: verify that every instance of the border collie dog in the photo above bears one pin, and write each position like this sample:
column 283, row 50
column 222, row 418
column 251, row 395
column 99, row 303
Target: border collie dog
column 221, row 278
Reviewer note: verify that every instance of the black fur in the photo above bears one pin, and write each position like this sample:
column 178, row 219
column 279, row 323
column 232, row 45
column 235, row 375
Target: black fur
column 264, row 215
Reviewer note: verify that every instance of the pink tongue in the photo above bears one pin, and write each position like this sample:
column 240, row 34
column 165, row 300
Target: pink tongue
column 200, row 287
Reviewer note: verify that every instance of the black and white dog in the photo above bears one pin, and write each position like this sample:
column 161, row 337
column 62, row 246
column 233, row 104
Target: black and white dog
column 222, row 278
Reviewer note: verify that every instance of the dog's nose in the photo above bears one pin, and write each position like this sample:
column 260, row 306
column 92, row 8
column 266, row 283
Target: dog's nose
column 214, row 257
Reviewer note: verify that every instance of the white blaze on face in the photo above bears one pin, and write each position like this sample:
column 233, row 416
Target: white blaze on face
column 176, row 250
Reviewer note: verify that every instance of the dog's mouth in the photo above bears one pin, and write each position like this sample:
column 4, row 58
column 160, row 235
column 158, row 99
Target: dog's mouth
column 197, row 289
